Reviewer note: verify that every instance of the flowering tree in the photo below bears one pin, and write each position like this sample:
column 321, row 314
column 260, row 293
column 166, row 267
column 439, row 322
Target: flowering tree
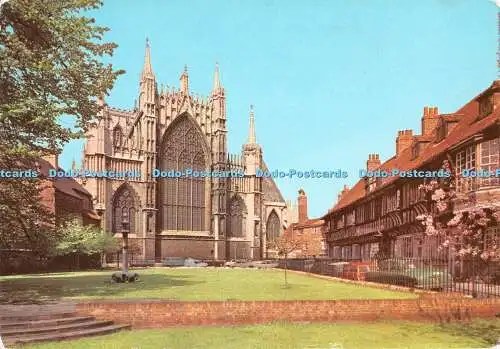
column 284, row 245
column 462, row 231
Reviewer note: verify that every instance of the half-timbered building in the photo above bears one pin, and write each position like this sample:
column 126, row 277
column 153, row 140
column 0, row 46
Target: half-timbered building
column 378, row 216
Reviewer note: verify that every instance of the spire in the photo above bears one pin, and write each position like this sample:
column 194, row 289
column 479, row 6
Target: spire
column 185, row 81
column 73, row 164
column 217, row 83
column 147, row 70
column 251, row 130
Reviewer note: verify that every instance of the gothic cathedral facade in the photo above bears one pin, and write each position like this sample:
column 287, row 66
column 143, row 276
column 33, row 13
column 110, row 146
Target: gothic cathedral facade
column 211, row 217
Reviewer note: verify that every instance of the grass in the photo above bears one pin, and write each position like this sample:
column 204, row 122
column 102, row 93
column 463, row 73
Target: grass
column 184, row 284
column 294, row 336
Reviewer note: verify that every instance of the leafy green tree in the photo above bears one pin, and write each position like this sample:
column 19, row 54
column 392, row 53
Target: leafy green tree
column 51, row 68
column 24, row 222
column 75, row 238
column 105, row 243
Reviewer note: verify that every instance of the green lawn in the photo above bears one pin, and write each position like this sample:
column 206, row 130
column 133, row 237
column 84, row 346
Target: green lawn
column 478, row 334
column 185, row 284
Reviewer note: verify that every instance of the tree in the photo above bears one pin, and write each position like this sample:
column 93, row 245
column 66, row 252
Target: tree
column 284, row 245
column 105, row 243
column 24, row 222
column 78, row 239
column 50, row 69
column 462, row 232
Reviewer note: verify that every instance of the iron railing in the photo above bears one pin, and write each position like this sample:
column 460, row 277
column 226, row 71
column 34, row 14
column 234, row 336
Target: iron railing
column 474, row 277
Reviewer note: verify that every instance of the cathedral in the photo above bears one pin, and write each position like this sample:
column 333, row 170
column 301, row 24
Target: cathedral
column 205, row 217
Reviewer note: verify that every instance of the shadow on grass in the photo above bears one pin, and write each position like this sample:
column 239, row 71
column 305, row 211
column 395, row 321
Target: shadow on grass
column 44, row 289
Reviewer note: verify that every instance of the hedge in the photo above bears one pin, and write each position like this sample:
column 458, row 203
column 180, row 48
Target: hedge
column 392, row 278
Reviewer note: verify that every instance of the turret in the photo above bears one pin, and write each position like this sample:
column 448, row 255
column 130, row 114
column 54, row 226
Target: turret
column 147, row 93
column 251, row 150
column 218, row 101
column 145, row 128
column 218, row 96
column 184, row 79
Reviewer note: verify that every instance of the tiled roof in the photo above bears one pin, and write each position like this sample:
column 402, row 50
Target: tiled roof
column 66, row 185
column 467, row 126
column 309, row 223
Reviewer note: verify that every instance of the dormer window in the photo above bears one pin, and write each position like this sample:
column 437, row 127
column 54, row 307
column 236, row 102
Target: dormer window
column 446, row 125
column 489, row 100
column 371, row 183
column 485, row 106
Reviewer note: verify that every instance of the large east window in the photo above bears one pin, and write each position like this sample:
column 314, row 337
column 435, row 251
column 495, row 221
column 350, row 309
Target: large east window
column 182, row 197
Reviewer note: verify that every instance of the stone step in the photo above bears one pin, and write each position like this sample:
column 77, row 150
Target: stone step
column 42, row 315
column 57, row 329
column 48, row 337
column 7, row 325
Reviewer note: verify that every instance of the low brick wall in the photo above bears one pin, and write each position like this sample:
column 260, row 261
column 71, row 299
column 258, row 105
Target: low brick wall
column 157, row 314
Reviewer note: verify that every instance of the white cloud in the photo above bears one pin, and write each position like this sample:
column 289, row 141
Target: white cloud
column 497, row 2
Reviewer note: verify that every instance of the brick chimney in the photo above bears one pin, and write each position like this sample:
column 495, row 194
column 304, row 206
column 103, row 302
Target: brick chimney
column 403, row 141
column 430, row 120
column 302, row 203
column 343, row 192
column 373, row 162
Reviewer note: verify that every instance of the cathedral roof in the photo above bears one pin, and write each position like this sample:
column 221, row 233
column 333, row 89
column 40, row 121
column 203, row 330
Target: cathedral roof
column 270, row 189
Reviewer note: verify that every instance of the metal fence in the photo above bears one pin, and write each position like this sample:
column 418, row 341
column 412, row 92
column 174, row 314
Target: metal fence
column 473, row 277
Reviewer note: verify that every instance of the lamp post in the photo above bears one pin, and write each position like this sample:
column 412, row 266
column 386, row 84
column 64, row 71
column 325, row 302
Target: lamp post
column 125, row 253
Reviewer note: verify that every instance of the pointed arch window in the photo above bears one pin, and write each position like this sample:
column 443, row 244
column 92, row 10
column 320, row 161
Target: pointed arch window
column 124, row 211
column 273, row 227
column 117, row 136
column 183, row 205
column 237, row 215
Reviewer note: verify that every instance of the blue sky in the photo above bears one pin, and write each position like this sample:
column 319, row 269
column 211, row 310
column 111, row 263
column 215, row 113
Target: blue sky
column 331, row 81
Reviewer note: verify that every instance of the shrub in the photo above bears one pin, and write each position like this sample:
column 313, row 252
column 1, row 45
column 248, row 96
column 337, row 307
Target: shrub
column 392, row 278
column 124, row 277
